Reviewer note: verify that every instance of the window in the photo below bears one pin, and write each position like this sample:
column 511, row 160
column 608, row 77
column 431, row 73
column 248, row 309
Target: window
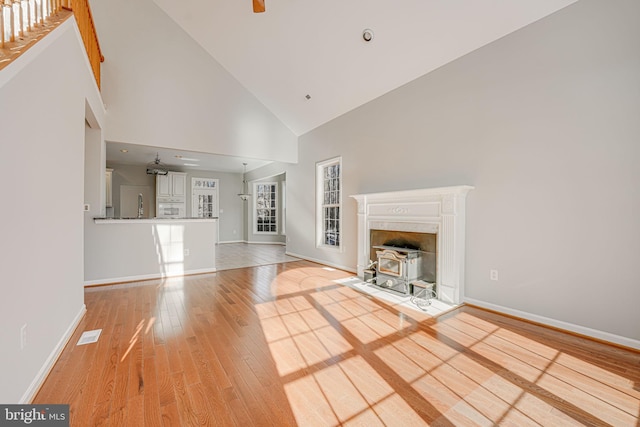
column 266, row 207
column 329, row 201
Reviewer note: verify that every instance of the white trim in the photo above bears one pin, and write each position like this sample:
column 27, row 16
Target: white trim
column 276, row 189
column 321, row 261
column 582, row 330
column 431, row 210
column 249, row 242
column 319, row 219
column 46, row 368
column 142, row 277
column 283, row 206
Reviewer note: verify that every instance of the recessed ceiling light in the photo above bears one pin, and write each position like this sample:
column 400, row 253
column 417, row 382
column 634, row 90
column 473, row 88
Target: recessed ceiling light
column 367, row 35
column 124, row 150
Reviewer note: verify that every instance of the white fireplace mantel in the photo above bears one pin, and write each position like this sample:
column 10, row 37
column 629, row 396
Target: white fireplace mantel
column 429, row 210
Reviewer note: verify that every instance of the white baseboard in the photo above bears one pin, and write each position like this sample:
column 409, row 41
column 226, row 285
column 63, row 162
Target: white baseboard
column 249, row 242
column 142, row 277
column 266, row 243
column 319, row 261
column 37, row 382
column 581, row 330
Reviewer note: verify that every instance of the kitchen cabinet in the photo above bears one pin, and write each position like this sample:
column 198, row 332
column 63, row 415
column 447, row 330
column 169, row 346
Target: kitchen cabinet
column 171, row 185
column 109, row 187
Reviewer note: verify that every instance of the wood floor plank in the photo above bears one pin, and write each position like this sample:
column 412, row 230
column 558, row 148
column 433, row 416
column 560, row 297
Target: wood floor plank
column 285, row 345
column 152, row 406
column 164, row 383
column 187, row 411
column 169, row 414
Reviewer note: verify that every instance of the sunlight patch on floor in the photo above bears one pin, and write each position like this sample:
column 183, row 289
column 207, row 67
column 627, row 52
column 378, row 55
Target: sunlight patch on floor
column 349, row 392
column 436, row 307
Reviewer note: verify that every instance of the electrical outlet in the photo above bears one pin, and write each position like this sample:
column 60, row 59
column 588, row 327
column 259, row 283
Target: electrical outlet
column 23, row 336
column 493, row 274
column 87, row 207
column 186, row 252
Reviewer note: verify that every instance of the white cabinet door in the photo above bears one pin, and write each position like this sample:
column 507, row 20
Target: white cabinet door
column 173, row 184
column 162, row 185
column 178, row 184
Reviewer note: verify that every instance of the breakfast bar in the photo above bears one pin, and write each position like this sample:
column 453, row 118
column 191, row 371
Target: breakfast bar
column 148, row 248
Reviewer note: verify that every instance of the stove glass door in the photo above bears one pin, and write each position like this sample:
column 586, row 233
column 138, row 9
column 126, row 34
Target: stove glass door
column 390, row 266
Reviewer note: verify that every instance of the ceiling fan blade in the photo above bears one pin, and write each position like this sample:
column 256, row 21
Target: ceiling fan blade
column 258, row 6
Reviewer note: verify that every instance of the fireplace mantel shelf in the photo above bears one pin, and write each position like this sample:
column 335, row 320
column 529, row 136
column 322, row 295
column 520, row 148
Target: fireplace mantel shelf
column 415, row 194
column 432, row 210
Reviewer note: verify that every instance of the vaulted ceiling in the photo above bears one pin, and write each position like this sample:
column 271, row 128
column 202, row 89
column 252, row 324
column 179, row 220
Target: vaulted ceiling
column 307, row 60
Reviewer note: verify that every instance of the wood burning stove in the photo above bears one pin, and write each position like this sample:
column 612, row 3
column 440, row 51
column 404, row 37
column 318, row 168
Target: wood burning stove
column 397, row 267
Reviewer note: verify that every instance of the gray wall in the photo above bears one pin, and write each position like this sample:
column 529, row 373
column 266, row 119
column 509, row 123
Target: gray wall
column 544, row 123
column 148, row 249
column 132, row 175
column 43, row 97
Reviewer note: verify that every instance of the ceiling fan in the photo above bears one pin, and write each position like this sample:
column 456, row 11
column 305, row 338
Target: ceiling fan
column 258, row 6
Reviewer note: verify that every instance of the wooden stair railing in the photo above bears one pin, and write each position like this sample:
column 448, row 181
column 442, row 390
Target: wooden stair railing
column 23, row 22
column 84, row 18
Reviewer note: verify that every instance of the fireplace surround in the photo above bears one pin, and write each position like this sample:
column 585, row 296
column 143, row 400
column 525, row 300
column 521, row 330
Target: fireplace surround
column 436, row 211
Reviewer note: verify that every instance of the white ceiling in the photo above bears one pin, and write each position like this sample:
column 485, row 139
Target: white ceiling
column 304, row 47
column 300, row 47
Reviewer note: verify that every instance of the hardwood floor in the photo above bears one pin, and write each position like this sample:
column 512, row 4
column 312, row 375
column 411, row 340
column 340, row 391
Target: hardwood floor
column 239, row 255
column 286, row 344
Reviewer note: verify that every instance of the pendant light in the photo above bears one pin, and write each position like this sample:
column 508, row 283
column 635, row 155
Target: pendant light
column 245, row 194
column 156, row 167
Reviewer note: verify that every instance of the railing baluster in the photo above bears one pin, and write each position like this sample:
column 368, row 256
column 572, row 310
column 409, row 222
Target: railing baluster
column 2, row 25
column 13, row 25
column 27, row 14
column 20, row 18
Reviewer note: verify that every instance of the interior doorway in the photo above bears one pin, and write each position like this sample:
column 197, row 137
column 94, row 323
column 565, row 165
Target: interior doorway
column 205, row 201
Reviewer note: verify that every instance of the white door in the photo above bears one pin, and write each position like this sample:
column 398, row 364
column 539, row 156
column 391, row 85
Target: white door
column 204, row 198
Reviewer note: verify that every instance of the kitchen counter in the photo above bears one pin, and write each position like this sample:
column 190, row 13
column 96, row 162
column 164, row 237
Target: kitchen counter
column 124, row 220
